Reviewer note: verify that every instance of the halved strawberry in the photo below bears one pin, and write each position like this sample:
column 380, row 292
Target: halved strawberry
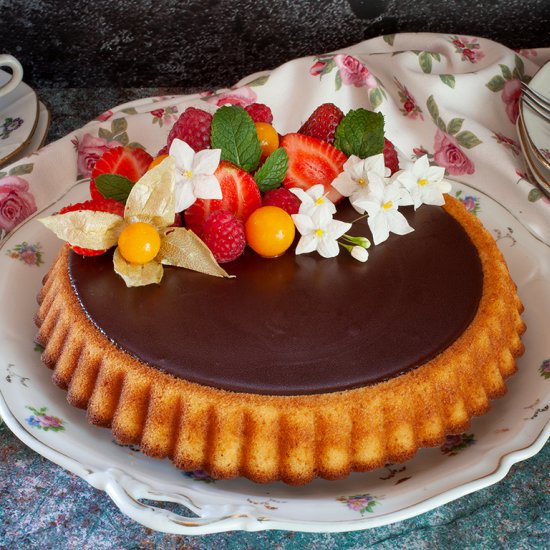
column 131, row 162
column 240, row 196
column 312, row 161
column 97, row 205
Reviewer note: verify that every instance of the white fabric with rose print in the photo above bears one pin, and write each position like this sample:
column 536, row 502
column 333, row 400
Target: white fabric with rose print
column 451, row 100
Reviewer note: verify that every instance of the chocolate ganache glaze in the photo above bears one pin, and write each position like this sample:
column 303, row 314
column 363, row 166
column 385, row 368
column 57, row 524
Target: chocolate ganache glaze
column 297, row 324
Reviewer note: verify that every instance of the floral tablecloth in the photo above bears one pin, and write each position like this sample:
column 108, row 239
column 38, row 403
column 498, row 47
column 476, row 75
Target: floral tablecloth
column 453, row 98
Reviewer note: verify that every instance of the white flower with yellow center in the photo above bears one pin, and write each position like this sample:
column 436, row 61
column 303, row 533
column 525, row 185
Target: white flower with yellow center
column 314, row 199
column 423, row 183
column 381, row 203
column 195, row 177
column 319, row 232
column 354, row 180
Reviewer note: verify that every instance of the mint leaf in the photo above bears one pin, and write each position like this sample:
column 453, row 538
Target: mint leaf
column 233, row 132
column 360, row 133
column 113, row 186
column 272, row 172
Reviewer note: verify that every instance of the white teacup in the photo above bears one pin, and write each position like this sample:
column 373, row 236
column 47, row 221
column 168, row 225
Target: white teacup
column 7, row 60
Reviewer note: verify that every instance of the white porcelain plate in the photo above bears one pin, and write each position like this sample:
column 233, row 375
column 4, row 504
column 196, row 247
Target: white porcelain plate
column 36, row 411
column 18, row 119
column 537, row 129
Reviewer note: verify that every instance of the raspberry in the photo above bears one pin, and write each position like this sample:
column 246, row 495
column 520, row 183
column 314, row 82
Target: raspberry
column 193, row 127
column 224, row 235
column 259, row 112
column 97, row 205
column 323, row 122
column 390, row 156
column 282, row 198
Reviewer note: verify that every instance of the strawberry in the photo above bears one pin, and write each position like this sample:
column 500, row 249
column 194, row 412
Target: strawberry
column 240, row 197
column 131, row 162
column 193, row 127
column 312, row 161
column 259, row 112
column 390, row 156
column 282, row 198
column 97, row 205
column 322, row 122
column 224, row 235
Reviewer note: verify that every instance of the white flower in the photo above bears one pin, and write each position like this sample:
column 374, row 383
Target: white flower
column 195, row 177
column 423, row 183
column 381, row 204
column 314, row 199
column 319, row 232
column 359, row 253
column 354, row 180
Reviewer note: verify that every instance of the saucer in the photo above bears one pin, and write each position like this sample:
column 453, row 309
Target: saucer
column 536, row 129
column 38, row 138
column 539, row 172
column 18, row 119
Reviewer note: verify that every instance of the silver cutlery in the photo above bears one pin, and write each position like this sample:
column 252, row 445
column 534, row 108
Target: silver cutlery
column 536, row 101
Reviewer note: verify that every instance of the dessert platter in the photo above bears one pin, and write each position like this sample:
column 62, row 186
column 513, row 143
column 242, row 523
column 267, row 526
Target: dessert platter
column 195, row 419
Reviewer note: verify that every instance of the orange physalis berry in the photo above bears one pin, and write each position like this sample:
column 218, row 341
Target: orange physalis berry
column 139, row 243
column 156, row 161
column 269, row 231
column 268, row 136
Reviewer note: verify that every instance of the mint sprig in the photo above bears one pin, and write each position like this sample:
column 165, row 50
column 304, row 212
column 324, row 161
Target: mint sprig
column 114, row 186
column 360, row 133
column 273, row 171
column 233, row 132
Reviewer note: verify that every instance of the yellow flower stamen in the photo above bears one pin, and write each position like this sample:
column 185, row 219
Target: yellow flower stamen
column 387, row 205
column 422, row 182
column 188, row 174
column 362, row 182
column 319, row 232
column 320, row 200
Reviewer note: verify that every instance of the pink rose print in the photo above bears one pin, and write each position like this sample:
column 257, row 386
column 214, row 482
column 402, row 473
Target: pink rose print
column 48, row 421
column 158, row 113
column 16, row 203
column 239, row 96
column 353, row 72
column 105, row 116
column 449, row 155
column 511, row 93
column 317, row 68
column 89, row 150
column 469, row 48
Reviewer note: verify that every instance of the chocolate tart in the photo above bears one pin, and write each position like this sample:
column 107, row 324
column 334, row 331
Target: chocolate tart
column 300, row 367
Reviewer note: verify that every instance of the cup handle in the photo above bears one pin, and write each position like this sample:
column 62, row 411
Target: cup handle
column 7, row 60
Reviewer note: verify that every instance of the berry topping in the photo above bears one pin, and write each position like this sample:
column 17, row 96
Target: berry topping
column 240, row 196
column 139, row 243
column 390, row 156
column 269, row 231
column 224, row 235
column 323, row 122
column 259, row 112
column 269, row 138
column 282, row 198
column 97, row 205
column 312, row 161
column 130, row 162
column 193, row 127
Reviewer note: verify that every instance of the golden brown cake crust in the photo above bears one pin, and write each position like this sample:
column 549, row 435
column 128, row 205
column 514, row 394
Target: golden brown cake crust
column 288, row 438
